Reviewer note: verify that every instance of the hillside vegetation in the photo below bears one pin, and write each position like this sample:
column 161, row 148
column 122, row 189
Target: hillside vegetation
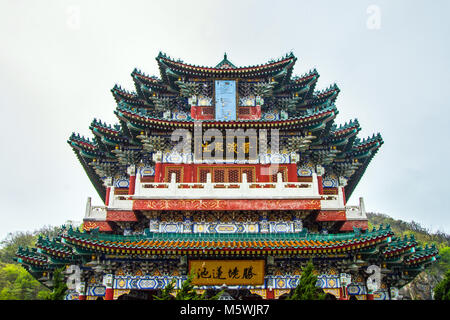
column 422, row 235
column 15, row 282
column 421, row 288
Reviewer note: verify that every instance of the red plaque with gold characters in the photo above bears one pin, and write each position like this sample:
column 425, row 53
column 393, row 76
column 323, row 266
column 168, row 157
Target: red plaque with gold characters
column 229, row 272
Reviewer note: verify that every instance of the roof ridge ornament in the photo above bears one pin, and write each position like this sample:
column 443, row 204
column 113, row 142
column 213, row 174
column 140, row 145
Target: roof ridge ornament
column 225, row 63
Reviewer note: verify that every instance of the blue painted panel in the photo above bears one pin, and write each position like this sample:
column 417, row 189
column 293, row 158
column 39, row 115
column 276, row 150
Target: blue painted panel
column 225, row 99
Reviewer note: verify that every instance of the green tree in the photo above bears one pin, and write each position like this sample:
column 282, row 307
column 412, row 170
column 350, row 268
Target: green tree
column 17, row 284
column 59, row 286
column 166, row 293
column 14, row 240
column 442, row 290
column 444, row 261
column 307, row 289
column 186, row 292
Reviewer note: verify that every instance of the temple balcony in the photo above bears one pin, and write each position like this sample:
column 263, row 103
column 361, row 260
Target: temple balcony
column 269, row 196
column 236, row 191
column 356, row 213
column 94, row 213
column 216, row 190
column 122, row 209
column 333, row 202
column 355, row 217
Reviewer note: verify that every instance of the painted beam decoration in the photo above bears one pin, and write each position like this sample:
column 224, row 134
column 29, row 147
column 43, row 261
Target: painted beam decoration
column 231, row 204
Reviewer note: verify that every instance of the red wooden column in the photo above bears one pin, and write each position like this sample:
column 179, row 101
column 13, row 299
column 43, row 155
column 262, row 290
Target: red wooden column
column 109, row 294
column 188, row 173
column 345, row 280
column 343, row 295
column 158, row 167
column 107, row 183
column 270, row 294
column 319, row 182
column 292, row 172
column 108, row 191
column 263, row 173
column 108, row 281
column 343, row 195
column 82, row 294
column 320, row 171
column 132, row 180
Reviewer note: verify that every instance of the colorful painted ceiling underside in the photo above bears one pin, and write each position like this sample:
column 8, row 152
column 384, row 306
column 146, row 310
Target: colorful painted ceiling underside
column 239, row 175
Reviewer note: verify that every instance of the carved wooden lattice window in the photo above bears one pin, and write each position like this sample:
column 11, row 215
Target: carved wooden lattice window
column 203, row 174
column 226, row 175
column 208, row 111
column 120, row 191
column 249, row 173
column 178, row 174
column 219, row 175
column 244, row 110
column 148, row 179
column 283, row 170
column 329, row 191
column 233, row 175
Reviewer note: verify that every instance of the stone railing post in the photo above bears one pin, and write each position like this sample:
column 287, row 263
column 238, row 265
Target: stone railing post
column 131, row 170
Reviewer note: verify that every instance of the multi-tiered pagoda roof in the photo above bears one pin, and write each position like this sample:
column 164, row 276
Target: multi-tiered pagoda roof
column 377, row 246
column 166, row 210
column 306, row 111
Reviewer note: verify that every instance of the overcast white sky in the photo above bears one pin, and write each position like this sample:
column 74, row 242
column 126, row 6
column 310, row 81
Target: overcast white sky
column 59, row 60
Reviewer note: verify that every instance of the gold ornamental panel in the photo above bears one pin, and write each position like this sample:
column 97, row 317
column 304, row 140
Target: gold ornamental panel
column 229, row 272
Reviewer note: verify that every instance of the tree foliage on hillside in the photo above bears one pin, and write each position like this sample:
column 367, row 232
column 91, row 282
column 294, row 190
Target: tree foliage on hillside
column 442, row 290
column 422, row 235
column 15, row 282
column 14, row 240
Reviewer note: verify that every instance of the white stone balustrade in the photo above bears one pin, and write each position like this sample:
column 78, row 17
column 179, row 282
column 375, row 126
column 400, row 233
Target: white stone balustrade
column 356, row 212
column 215, row 190
column 94, row 212
column 178, row 190
column 122, row 202
column 333, row 202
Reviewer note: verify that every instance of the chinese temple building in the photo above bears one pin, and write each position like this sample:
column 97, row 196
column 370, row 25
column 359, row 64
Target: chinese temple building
column 237, row 175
